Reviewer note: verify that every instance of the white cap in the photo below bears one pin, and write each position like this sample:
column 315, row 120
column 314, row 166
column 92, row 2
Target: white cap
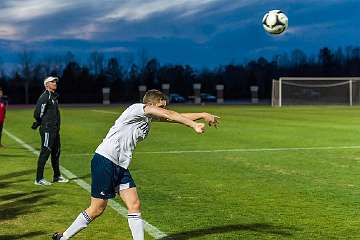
column 50, row 79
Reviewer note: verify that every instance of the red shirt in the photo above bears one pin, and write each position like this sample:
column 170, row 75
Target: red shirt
column 2, row 112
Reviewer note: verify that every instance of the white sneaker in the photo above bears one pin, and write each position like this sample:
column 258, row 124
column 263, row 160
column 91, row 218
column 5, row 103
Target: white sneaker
column 60, row 179
column 42, row 182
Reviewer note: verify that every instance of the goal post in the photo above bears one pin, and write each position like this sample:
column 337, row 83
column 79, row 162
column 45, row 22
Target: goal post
column 288, row 91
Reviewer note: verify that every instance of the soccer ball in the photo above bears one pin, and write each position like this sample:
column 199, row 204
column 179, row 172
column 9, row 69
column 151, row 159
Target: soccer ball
column 275, row 22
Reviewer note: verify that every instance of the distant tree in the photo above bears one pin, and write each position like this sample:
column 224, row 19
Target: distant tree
column 96, row 62
column 264, row 75
column 326, row 59
column 208, row 80
column 91, row 85
column 149, row 74
column 114, row 70
column 70, row 84
column 355, row 53
column 128, row 61
column 172, row 75
column 284, row 60
column 235, row 81
column 180, row 78
column 132, row 83
column 339, row 57
column 26, row 62
column 52, row 64
column 115, row 77
column 143, row 58
column 36, row 83
column 189, row 77
column 69, row 57
column 354, row 61
column 16, row 88
column 134, row 73
column 298, row 58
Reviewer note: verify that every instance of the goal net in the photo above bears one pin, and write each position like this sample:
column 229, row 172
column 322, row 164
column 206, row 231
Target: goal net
column 316, row 91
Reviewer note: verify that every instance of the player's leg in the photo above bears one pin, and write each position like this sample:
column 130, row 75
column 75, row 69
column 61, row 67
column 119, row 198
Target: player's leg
column 46, row 141
column 55, row 156
column 102, row 189
column 95, row 209
column 131, row 199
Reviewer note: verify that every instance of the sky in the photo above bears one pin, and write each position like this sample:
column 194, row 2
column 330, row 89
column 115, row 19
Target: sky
column 201, row 33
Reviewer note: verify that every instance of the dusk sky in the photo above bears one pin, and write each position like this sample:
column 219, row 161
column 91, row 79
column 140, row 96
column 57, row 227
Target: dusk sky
column 196, row 32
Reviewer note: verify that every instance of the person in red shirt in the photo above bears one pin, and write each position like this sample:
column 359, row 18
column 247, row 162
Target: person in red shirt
column 2, row 113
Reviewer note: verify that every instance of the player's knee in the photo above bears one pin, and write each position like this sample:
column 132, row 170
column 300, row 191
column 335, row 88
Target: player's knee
column 134, row 206
column 95, row 211
column 45, row 151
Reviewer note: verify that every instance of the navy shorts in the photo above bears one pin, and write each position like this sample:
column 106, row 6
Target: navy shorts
column 107, row 178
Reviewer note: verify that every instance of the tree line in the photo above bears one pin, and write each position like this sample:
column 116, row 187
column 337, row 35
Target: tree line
column 83, row 83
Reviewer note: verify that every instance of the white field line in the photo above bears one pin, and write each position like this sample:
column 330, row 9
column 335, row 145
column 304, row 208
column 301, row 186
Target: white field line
column 150, row 229
column 108, row 112
column 234, row 150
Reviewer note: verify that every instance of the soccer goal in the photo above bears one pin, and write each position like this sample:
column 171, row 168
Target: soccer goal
column 315, row 91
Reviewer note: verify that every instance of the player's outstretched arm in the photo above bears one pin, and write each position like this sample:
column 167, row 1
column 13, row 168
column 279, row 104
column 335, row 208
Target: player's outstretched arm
column 210, row 119
column 173, row 116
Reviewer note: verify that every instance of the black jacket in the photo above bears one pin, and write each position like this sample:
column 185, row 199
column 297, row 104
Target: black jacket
column 47, row 114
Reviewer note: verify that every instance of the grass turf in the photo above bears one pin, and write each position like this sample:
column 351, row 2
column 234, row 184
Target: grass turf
column 257, row 194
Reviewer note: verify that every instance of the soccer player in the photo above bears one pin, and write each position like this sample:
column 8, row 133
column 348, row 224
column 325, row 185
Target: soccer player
column 109, row 165
column 47, row 116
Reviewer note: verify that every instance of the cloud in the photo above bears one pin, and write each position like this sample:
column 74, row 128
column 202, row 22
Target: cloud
column 139, row 10
column 114, row 49
column 93, row 19
column 16, row 11
column 85, row 32
column 7, row 31
column 311, row 28
column 259, row 51
column 25, row 18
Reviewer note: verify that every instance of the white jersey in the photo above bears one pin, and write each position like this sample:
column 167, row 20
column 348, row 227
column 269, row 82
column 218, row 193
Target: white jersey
column 131, row 127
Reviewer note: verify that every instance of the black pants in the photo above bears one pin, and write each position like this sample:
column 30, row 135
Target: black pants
column 50, row 145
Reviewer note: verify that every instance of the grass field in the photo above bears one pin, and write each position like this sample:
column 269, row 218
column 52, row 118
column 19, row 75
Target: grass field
column 266, row 173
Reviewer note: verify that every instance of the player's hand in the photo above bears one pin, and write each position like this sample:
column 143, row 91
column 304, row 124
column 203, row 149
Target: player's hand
column 211, row 120
column 35, row 125
column 199, row 128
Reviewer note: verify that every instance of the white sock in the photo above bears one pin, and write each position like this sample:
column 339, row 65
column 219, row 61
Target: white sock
column 79, row 224
column 136, row 226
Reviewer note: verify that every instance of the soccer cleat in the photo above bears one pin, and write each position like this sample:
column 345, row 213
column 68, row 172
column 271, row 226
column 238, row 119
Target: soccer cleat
column 56, row 236
column 42, row 182
column 60, row 179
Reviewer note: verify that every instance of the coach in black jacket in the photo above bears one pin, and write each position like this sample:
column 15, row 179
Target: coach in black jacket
column 47, row 116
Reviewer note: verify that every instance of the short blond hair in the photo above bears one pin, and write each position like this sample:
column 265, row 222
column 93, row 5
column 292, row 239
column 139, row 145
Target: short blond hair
column 154, row 96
